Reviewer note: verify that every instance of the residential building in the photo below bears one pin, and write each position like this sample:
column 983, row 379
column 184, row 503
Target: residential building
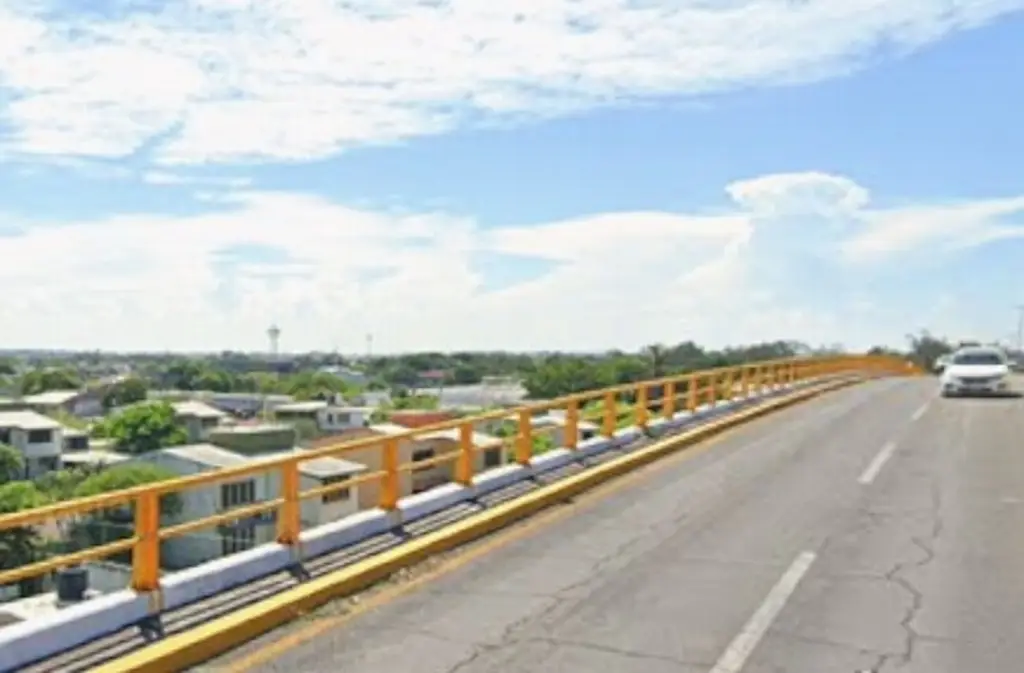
column 489, row 453
column 84, row 403
column 38, row 438
column 253, row 439
column 198, row 418
column 328, row 417
column 192, row 549
column 241, row 404
column 75, row 440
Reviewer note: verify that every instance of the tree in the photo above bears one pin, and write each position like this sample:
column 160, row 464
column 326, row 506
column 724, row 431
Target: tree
column 127, row 391
column 41, row 380
column 12, row 464
column 22, row 545
column 117, row 523
column 144, row 427
column 925, row 349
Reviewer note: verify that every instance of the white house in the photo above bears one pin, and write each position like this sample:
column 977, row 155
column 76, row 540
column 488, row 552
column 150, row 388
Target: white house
column 328, row 417
column 198, row 418
column 75, row 402
column 192, row 549
column 38, row 438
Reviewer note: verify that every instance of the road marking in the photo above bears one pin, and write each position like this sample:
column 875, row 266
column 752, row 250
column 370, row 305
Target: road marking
column 878, row 463
column 920, row 412
column 742, row 646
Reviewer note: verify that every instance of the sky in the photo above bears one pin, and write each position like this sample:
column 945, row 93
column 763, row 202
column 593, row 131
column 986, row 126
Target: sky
column 483, row 175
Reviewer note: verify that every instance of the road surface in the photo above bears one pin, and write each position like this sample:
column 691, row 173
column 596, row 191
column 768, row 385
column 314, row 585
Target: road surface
column 875, row 529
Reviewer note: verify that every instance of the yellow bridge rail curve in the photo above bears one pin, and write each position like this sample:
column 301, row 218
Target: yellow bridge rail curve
column 635, row 404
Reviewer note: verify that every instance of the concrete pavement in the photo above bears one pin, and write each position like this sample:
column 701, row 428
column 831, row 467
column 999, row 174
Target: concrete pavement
column 873, row 529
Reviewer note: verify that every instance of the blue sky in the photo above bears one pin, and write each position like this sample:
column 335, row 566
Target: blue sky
column 179, row 176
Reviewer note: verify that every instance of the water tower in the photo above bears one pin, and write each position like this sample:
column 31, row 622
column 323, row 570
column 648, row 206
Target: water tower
column 274, row 333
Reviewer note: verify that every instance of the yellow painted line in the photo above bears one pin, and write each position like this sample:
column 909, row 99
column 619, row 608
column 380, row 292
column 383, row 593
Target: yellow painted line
column 206, row 641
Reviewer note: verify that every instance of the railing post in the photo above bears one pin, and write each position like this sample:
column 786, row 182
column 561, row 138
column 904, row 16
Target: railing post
column 389, row 490
column 640, row 413
column 691, row 393
column 714, row 381
column 464, row 465
column 572, row 425
column 146, row 552
column 289, row 520
column 745, row 380
column 729, row 383
column 611, row 416
column 524, row 438
column 668, row 400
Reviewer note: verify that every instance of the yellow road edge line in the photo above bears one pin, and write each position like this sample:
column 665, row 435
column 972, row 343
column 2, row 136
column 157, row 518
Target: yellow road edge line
column 206, row 641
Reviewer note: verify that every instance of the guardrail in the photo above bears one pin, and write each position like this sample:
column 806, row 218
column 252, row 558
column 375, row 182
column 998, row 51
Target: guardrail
column 636, row 403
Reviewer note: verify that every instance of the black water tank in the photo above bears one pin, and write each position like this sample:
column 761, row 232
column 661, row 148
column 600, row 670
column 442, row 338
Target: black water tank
column 72, row 584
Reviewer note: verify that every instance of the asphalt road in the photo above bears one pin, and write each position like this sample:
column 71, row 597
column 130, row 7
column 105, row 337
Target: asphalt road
column 879, row 528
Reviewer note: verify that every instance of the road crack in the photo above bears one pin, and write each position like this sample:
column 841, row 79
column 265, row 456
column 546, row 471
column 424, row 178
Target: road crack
column 897, row 577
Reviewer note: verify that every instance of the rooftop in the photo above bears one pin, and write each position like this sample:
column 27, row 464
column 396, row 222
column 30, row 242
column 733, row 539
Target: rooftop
column 27, row 420
column 253, row 428
column 92, row 457
column 52, row 397
column 301, row 407
column 197, row 409
column 323, row 468
column 206, row 455
column 209, row 455
column 417, row 419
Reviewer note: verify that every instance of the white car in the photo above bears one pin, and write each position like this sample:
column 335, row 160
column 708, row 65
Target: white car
column 976, row 371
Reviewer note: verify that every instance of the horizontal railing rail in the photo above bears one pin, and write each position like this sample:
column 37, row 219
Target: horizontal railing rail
column 630, row 404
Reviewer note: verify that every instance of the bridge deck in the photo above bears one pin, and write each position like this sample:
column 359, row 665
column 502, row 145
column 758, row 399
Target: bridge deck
column 874, row 529
column 130, row 639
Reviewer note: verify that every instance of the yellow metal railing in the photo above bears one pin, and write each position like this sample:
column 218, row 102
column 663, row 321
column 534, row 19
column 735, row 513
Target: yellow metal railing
column 631, row 402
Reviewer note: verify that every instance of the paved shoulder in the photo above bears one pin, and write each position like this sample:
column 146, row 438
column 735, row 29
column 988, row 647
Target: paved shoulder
column 667, row 574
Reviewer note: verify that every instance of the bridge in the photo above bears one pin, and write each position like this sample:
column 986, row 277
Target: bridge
column 805, row 516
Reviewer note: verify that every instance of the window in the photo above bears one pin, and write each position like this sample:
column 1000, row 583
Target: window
column 421, row 455
column 237, row 494
column 330, row 418
column 492, row 458
column 340, row 495
column 979, row 357
column 344, row 418
column 238, row 539
column 76, row 443
column 5, row 436
column 40, row 436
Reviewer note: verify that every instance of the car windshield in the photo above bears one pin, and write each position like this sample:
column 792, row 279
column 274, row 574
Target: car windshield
column 978, row 358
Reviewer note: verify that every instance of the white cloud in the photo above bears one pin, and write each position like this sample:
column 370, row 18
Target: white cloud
column 328, row 274
column 177, row 179
column 225, row 80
